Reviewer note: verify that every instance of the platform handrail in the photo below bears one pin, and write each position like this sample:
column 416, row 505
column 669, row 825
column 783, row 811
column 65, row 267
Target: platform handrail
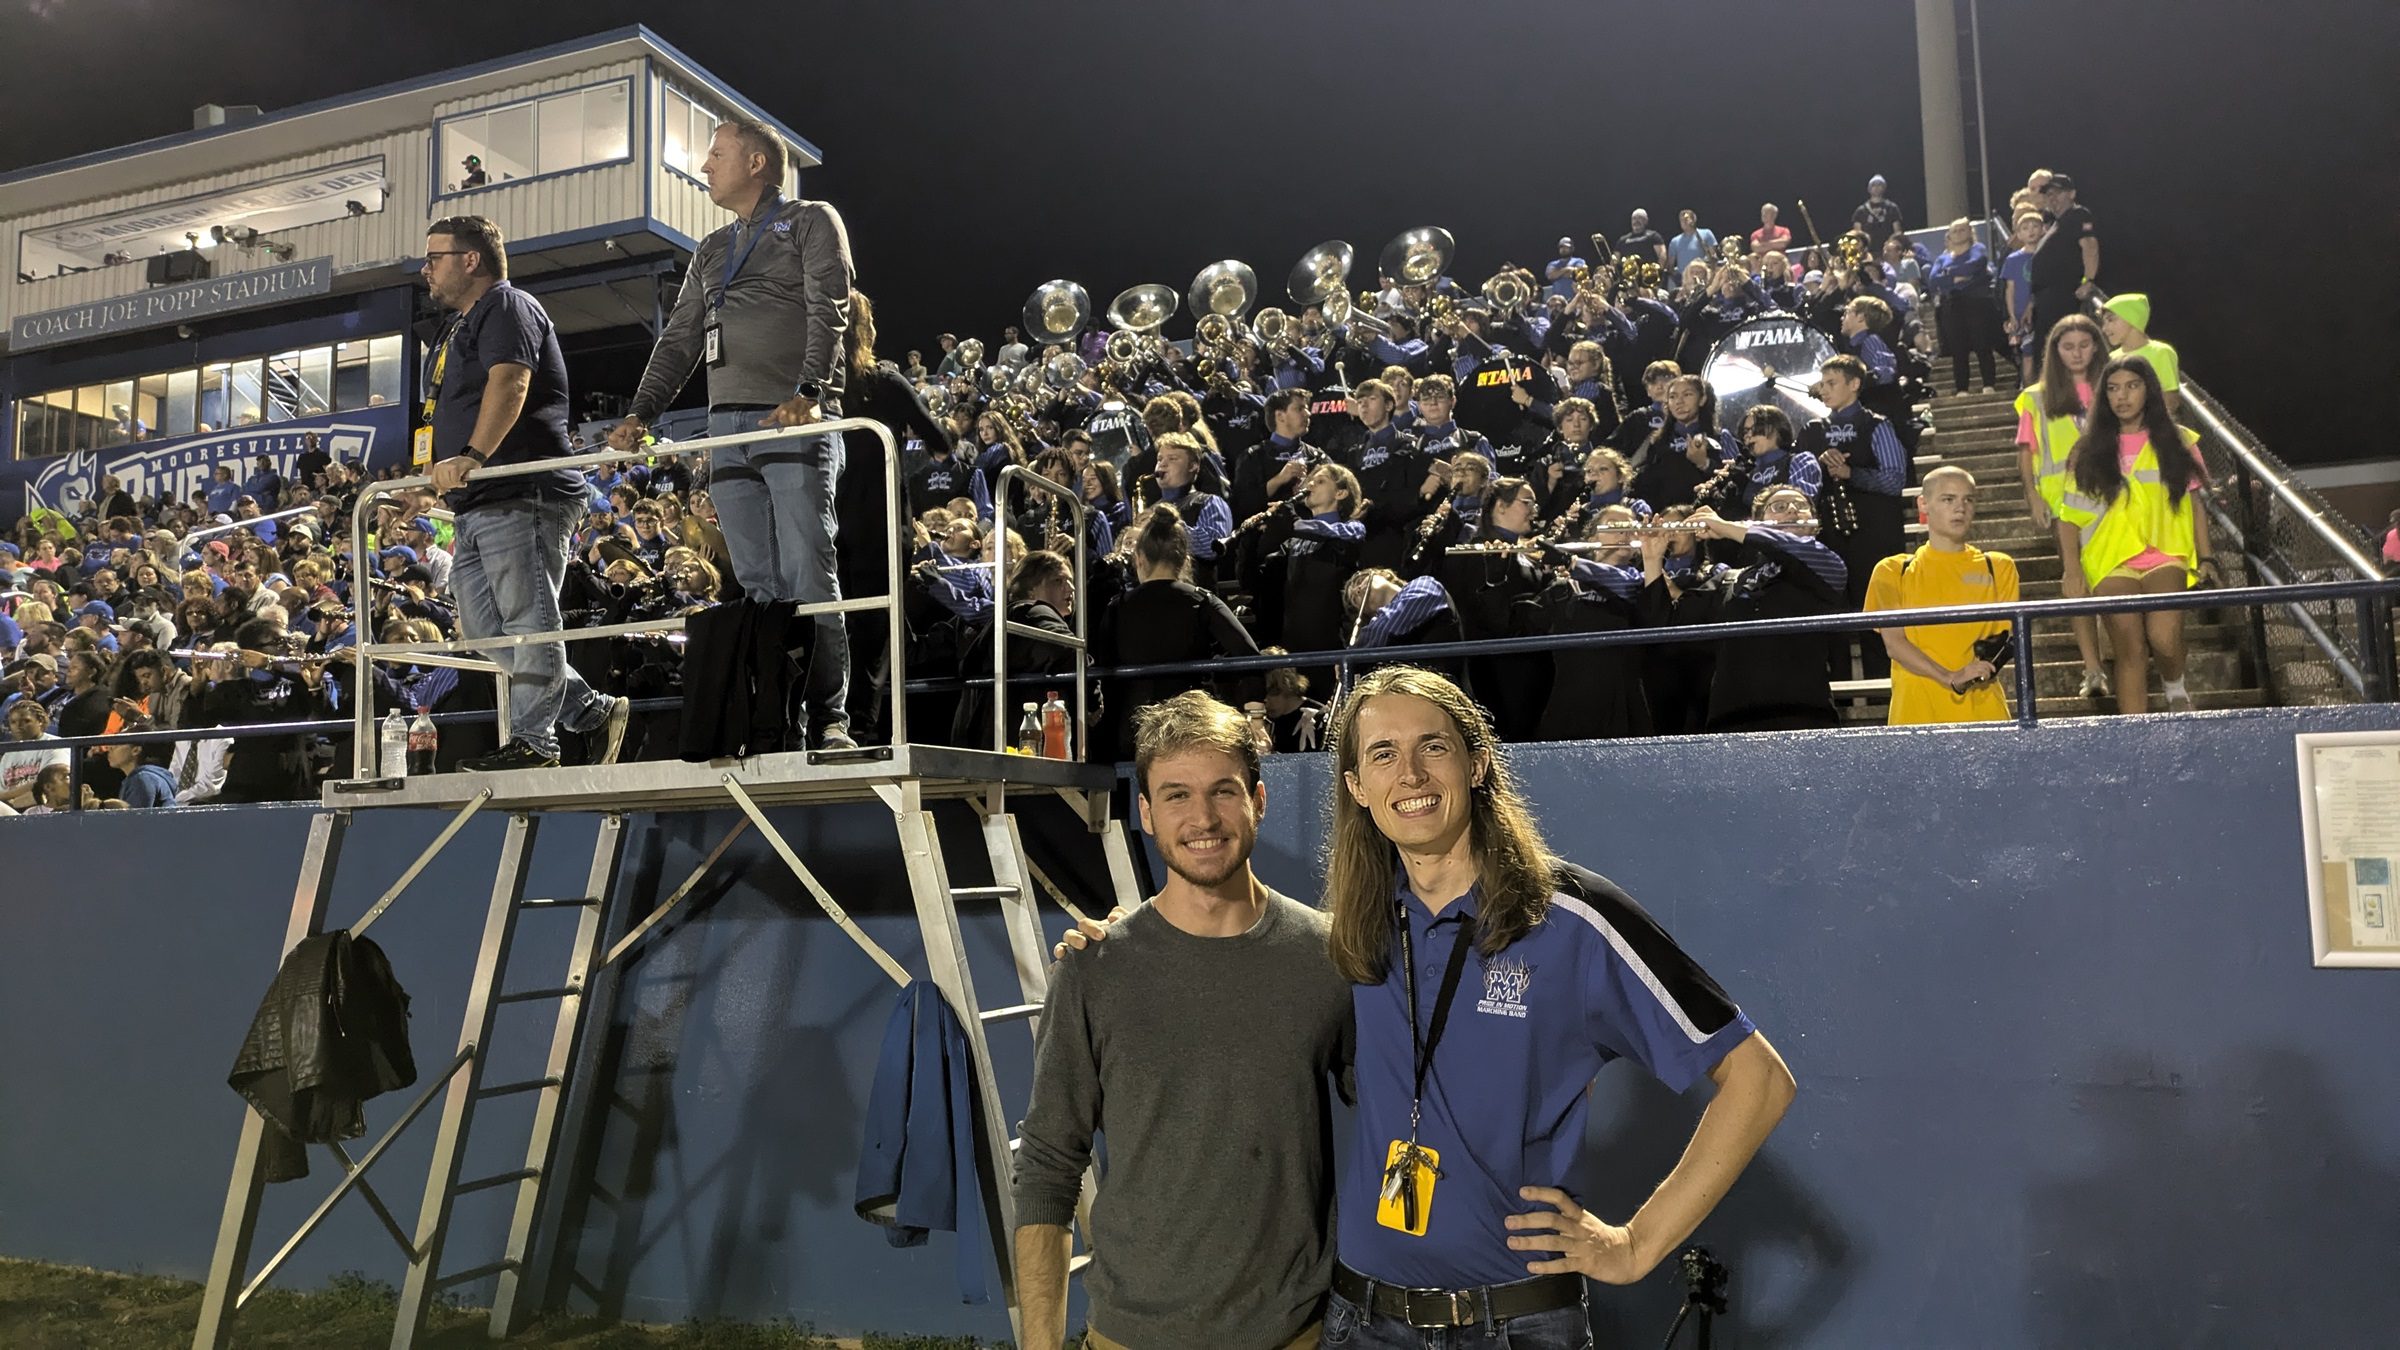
column 1003, row 627
column 365, row 653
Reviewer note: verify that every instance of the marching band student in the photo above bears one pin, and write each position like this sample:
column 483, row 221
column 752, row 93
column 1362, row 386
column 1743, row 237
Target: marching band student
column 1041, row 594
column 1763, row 684
column 2050, row 420
column 1936, row 675
column 1562, row 457
column 1164, row 618
column 1403, row 382
column 1318, row 551
column 1643, row 425
column 1272, row 469
column 1596, row 693
column 1498, row 595
column 1395, row 475
column 2142, row 531
column 1394, row 615
column 1456, row 1227
column 1767, row 460
column 1455, row 520
column 1438, row 431
column 1680, row 456
column 1859, row 450
column 1862, row 320
column 1204, row 514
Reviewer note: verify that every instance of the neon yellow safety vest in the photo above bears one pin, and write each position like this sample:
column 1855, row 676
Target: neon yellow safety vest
column 2054, row 441
column 2141, row 517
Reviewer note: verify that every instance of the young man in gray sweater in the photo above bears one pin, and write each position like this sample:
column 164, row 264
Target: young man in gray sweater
column 1204, row 1038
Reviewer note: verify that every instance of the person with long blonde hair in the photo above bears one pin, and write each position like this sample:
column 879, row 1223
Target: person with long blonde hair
column 1472, row 1093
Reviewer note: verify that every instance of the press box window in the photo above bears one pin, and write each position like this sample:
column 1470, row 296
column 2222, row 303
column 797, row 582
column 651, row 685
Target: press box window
column 546, row 135
column 688, row 126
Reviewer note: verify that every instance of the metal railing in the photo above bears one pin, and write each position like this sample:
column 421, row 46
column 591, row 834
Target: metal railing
column 286, row 514
column 2020, row 615
column 2288, row 534
column 1004, row 627
column 893, row 601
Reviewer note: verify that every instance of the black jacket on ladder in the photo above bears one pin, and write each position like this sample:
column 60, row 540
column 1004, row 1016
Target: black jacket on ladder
column 331, row 1032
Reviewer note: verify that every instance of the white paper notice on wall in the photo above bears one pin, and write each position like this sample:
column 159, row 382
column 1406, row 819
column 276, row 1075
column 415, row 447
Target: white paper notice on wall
column 2358, row 802
column 2350, row 844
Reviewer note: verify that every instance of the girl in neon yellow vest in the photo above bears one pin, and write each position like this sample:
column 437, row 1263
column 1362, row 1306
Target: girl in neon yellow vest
column 2132, row 495
column 2050, row 419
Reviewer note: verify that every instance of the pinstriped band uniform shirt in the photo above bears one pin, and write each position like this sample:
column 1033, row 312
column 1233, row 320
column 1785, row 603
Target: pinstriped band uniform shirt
column 1505, row 1107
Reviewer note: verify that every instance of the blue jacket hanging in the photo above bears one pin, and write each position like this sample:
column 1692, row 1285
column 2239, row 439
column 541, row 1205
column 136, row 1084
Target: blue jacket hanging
column 916, row 1170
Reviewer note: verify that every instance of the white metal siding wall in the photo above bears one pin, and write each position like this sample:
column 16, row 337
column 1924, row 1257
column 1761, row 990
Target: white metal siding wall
column 677, row 202
column 566, row 202
column 396, row 232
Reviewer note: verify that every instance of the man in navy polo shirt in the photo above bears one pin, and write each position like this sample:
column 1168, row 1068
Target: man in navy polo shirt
column 1491, row 982
column 499, row 397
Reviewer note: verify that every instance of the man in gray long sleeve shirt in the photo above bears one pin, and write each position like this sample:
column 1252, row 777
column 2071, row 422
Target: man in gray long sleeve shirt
column 1203, row 1038
column 765, row 304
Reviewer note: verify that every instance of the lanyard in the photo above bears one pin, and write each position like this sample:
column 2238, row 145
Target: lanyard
column 441, row 361
column 734, row 265
column 1432, row 1034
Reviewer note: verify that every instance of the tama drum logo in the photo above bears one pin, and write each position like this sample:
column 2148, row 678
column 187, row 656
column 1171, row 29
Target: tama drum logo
column 1773, row 335
column 1505, row 982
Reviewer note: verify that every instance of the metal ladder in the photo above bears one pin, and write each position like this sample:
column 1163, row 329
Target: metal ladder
column 460, row 1084
column 1016, row 887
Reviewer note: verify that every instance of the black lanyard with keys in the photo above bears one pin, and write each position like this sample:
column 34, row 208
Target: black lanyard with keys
column 1401, row 1181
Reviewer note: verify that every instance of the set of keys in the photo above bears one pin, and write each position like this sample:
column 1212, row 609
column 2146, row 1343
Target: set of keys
column 1406, row 1203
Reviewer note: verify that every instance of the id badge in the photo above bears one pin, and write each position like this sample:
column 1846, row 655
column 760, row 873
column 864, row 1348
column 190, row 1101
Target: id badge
column 712, row 345
column 1405, row 1203
column 420, row 448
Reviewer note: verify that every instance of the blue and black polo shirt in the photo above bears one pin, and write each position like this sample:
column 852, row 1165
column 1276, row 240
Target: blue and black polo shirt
column 1505, row 1102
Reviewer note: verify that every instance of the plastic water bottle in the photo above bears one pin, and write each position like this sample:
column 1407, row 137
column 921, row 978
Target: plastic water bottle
column 1054, row 728
column 1029, row 732
column 394, row 742
column 423, row 741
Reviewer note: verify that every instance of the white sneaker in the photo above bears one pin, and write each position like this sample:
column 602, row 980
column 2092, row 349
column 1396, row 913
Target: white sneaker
column 2180, row 702
column 2095, row 685
column 612, row 731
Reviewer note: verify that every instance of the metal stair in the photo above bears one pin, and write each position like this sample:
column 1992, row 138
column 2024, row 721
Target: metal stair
column 907, row 779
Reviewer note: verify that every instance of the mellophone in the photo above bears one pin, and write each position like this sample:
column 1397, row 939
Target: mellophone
column 1626, row 534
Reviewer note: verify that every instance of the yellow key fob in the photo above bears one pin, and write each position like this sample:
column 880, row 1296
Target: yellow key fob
column 1405, row 1204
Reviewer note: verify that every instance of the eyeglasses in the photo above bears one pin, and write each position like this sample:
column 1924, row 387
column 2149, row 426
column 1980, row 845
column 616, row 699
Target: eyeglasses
column 433, row 253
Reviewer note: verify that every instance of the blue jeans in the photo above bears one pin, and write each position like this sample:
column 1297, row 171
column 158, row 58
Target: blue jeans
column 507, row 563
column 1348, row 1327
column 774, row 502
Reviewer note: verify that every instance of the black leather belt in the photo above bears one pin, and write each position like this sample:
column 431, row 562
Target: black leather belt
column 1459, row 1307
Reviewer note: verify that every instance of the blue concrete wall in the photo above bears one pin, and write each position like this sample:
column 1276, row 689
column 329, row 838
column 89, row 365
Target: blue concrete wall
column 2067, row 1074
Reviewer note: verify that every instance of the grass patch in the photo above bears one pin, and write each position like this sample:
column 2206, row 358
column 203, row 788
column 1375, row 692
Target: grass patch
column 47, row 1307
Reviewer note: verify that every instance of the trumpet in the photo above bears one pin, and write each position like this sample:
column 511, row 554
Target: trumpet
column 1277, row 329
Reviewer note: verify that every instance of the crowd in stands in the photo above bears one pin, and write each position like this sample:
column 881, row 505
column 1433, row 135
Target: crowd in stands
column 1422, row 472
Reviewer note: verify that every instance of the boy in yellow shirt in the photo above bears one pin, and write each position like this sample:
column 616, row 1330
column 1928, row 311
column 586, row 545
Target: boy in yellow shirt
column 2125, row 319
column 1936, row 676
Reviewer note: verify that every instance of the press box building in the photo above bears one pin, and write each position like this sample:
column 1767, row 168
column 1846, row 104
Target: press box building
column 214, row 295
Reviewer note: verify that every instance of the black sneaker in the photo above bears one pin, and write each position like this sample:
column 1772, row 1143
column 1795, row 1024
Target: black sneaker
column 835, row 739
column 514, row 755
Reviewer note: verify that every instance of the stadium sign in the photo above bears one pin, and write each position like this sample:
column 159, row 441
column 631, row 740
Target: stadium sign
column 172, row 304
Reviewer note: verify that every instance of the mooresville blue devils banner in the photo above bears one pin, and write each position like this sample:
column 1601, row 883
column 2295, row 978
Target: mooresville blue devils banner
column 176, row 468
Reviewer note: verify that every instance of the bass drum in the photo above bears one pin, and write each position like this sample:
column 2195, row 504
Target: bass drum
column 1773, row 358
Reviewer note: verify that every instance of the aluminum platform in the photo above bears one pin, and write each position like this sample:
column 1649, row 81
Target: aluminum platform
column 786, row 779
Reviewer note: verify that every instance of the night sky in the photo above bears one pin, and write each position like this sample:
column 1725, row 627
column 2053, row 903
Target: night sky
column 2240, row 157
